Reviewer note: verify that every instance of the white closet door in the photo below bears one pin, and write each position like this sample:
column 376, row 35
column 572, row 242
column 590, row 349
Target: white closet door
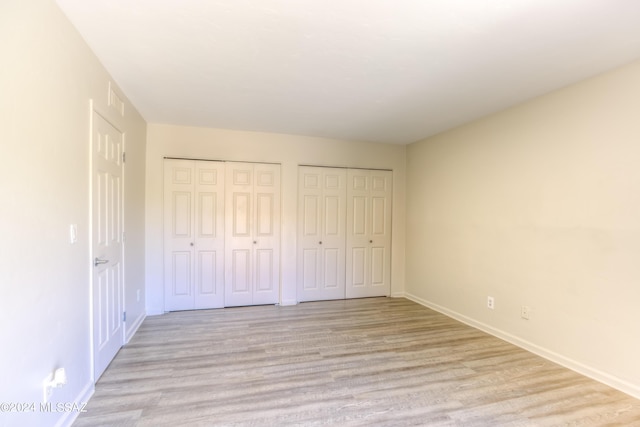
column 178, row 234
column 252, row 273
column 321, row 231
column 193, row 234
column 368, row 233
column 209, row 235
column 266, row 234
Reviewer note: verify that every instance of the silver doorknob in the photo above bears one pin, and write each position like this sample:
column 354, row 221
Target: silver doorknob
column 97, row 261
column 370, row 241
column 320, row 242
column 191, row 243
column 255, row 241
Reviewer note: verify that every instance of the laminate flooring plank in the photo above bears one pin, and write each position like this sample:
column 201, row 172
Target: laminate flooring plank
column 374, row 361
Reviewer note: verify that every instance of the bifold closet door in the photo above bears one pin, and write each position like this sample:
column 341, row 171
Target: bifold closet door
column 193, row 234
column 322, row 199
column 368, row 233
column 252, row 238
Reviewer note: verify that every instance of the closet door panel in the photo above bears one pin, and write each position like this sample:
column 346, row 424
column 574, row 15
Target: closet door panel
column 358, row 268
column 193, row 236
column 179, row 286
column 358, row 239
column 264, row 271
column 252, row 234
column 266, row 232
column 381, row 197
column 206, row 273
column 238, row 236
column 308, row 270
column 209, row 234
column 333, row 217
column 309, row 232
column 265, row 215
column 180, row 210
column 334, row 231
column 369, row 233
column 241, row 270
column 181, row 274
column 378, row 270
column 321, row 233
column 333, row 268
column 240, row 215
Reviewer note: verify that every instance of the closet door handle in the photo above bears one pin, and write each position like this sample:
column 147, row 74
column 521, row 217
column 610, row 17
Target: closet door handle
column 320, row 242
column 255, row 241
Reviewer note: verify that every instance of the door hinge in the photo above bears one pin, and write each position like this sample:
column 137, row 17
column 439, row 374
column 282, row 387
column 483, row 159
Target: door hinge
column 124, row 157
column 124, row 316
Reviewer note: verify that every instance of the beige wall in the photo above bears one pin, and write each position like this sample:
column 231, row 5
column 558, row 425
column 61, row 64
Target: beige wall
column 540, row 206
column 290, row 151
column 47, row 77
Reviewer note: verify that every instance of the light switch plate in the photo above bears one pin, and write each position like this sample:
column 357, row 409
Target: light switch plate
column 73, row 233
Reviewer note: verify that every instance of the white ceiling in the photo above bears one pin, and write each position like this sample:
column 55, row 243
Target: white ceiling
column 392, row 71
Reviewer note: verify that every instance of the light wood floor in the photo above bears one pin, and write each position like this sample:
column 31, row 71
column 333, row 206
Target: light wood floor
column 380, row 361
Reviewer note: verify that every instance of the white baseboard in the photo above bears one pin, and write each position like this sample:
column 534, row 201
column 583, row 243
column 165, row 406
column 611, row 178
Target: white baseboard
column 134, row 327
column 398, row 295
column 588, row 371
column 289, row 302
column 67, row 418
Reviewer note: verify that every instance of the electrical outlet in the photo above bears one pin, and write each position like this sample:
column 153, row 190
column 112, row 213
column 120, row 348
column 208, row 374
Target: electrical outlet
column 57, row 380
column 490, row 303
column 525, row 311
column 47, row 389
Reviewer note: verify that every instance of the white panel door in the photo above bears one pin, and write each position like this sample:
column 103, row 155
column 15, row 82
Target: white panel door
column 193, row 234
column 179, row 182
column 368, row 233
column 239, row 234
column 322, row 233
column 208, row 252
column 107, row 145
column 252, row 256
column 266, row 233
